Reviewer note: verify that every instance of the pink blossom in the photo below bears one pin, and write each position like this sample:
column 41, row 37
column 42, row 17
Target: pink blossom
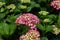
column 30, row 35
column 27, row 19
column 56, row 4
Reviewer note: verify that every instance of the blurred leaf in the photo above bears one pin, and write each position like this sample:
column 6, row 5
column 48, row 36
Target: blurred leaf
column 4, row 29
column 37, row 5
column 2, row 0
column 2, row 15
column 1, row 38
column 40, row 27
column 49, row 28
column 11, row 18
column 51, row 16
column 43, row 9
column 28, row 9
column 11, row 1
column 17, row 10
column 32, row 5
column 44, row 38
column 58, row 21
column 23, row 29
column 42, row 1
column 2, row 9
column 12, row 28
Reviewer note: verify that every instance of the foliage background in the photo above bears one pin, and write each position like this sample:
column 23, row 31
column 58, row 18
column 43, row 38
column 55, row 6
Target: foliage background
column 10, row 31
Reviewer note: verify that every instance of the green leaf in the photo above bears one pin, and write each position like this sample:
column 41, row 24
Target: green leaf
column 39, row 1
column 52, row 16
column 34, row 4
column 12, row 28
column 58, row 21
column 23, row 29
column 49, row 28
column 40, row 27
column 4, row 29
column 37, row 5
column 44, row 38
column 11, row 18
column 28, row 9
column 43, row 9
column 2, row 0
column 2, row 15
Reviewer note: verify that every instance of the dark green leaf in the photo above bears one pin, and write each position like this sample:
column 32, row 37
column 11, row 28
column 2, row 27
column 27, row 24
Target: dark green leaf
column 42, row 1
column 43, row 9
column 1, row 38
column 2, row 15
column 23, row 29
column 44, row 38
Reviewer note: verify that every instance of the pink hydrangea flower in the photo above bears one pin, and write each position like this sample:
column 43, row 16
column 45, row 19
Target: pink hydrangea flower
column 30, row 35
column 27, row 19
column 56, row 4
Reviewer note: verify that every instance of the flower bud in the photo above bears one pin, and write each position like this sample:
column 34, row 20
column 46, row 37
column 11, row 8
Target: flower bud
column 11, row 7
column 25, row 1
column 1, row 4
column 23, row 6
column 43, row 13
column 55, row 30
column 2, row 9
column 47, row 20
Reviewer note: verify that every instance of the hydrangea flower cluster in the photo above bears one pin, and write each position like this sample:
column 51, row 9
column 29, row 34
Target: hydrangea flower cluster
column 55, row 30
column 56, row 4
column 28, row 19
column 30, row 35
